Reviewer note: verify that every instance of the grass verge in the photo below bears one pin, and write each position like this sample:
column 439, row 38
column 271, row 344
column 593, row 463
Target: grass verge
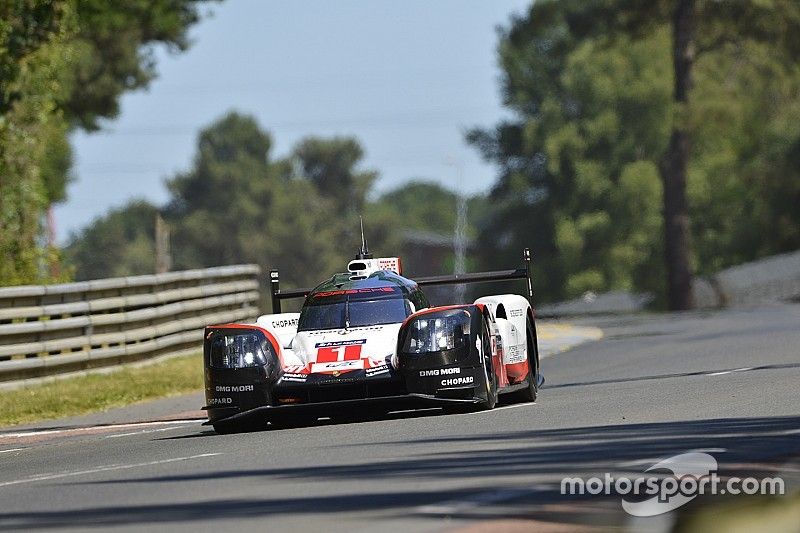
column 98, row 392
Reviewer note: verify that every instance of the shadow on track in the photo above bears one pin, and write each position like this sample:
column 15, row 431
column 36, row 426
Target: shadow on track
column 738, row 444
column 357, row 417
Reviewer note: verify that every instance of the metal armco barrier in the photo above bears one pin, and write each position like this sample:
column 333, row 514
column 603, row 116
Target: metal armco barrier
column 54, row 329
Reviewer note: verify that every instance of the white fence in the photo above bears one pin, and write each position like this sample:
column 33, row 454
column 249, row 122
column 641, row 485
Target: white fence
column 53, row 329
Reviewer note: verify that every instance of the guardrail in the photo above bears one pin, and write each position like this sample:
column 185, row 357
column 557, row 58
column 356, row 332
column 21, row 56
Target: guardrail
column 55, row 329
column 768, row 280
column 772, row 279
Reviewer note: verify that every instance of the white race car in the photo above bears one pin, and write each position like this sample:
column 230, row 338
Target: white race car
column 368, row 337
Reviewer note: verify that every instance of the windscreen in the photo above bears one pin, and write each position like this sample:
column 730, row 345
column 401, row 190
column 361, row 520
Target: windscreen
column 354, row 308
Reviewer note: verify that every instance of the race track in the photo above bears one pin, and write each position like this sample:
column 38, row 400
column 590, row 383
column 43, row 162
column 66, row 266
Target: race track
column 655, row 385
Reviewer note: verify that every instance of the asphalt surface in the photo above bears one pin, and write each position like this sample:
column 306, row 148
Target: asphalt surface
column 655, row 385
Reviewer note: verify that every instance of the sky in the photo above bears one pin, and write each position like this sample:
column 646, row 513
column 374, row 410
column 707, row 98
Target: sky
column 407, row 79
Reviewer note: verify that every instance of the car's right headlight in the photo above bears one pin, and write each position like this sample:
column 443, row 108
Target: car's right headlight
column 438, row 332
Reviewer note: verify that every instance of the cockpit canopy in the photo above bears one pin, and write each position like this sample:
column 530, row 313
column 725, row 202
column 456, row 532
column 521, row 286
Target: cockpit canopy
column 379, row 299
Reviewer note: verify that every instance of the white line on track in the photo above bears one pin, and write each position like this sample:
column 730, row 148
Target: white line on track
column 512, row 406
column 142, row 432
column 12, row 450
column 109, row 468
column 724, row 372
column 92, row 428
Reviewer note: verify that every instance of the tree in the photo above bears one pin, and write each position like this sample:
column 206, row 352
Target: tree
column 330, row 164
column 120, row 243
column 64, row 64
column 216, row 206
column 33, row 152
column 571, row 153
column 699, row 27
column 238, row 205
column 578, row 183
column 113, row 51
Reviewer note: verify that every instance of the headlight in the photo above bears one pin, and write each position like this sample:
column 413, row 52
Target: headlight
column 239, row 350
column 438, row 332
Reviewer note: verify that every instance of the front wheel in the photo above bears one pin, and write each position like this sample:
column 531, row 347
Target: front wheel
column 489, row 377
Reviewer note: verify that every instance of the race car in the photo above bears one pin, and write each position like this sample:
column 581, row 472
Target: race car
column 368, row 341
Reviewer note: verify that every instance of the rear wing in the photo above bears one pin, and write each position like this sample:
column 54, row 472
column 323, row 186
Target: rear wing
column 279, row 294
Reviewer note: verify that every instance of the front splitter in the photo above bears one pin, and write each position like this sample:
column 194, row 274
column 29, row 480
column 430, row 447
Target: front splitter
column 405, row 401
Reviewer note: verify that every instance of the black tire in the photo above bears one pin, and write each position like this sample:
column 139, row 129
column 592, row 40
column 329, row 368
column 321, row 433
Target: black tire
column 489, row 377
column 531, row 390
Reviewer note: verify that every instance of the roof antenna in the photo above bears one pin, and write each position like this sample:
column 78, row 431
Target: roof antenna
column 363, row 253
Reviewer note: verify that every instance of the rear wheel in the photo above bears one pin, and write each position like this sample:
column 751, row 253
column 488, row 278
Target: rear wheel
column 529, row 393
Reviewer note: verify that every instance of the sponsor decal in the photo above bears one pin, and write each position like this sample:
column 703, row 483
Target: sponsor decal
column 389, row 263
column 439, row 372
column 344, row 332
column 220, row 401
column 464, row 380
column 338, row 366
column 340, row 343
column 234, row 388
column 377, row 370
column 298, row 378
column 371, row 290
column 514, row 354
column 292, row 322
column 328, row 352
column 513, row 313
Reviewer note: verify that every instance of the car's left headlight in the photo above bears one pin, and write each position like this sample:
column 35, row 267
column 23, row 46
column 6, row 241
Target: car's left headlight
column 438, row 332
column 238, row 350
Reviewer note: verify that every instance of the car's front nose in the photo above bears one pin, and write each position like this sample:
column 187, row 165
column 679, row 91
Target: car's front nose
column 378, row 382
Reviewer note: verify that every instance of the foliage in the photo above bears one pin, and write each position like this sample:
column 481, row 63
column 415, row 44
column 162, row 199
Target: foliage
column 114, row 51
column 121, row 243
column 419, row 208
column 330, row 165
column 591, row 87
column 64, row 64
column 34, row 55
column 238, row 204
